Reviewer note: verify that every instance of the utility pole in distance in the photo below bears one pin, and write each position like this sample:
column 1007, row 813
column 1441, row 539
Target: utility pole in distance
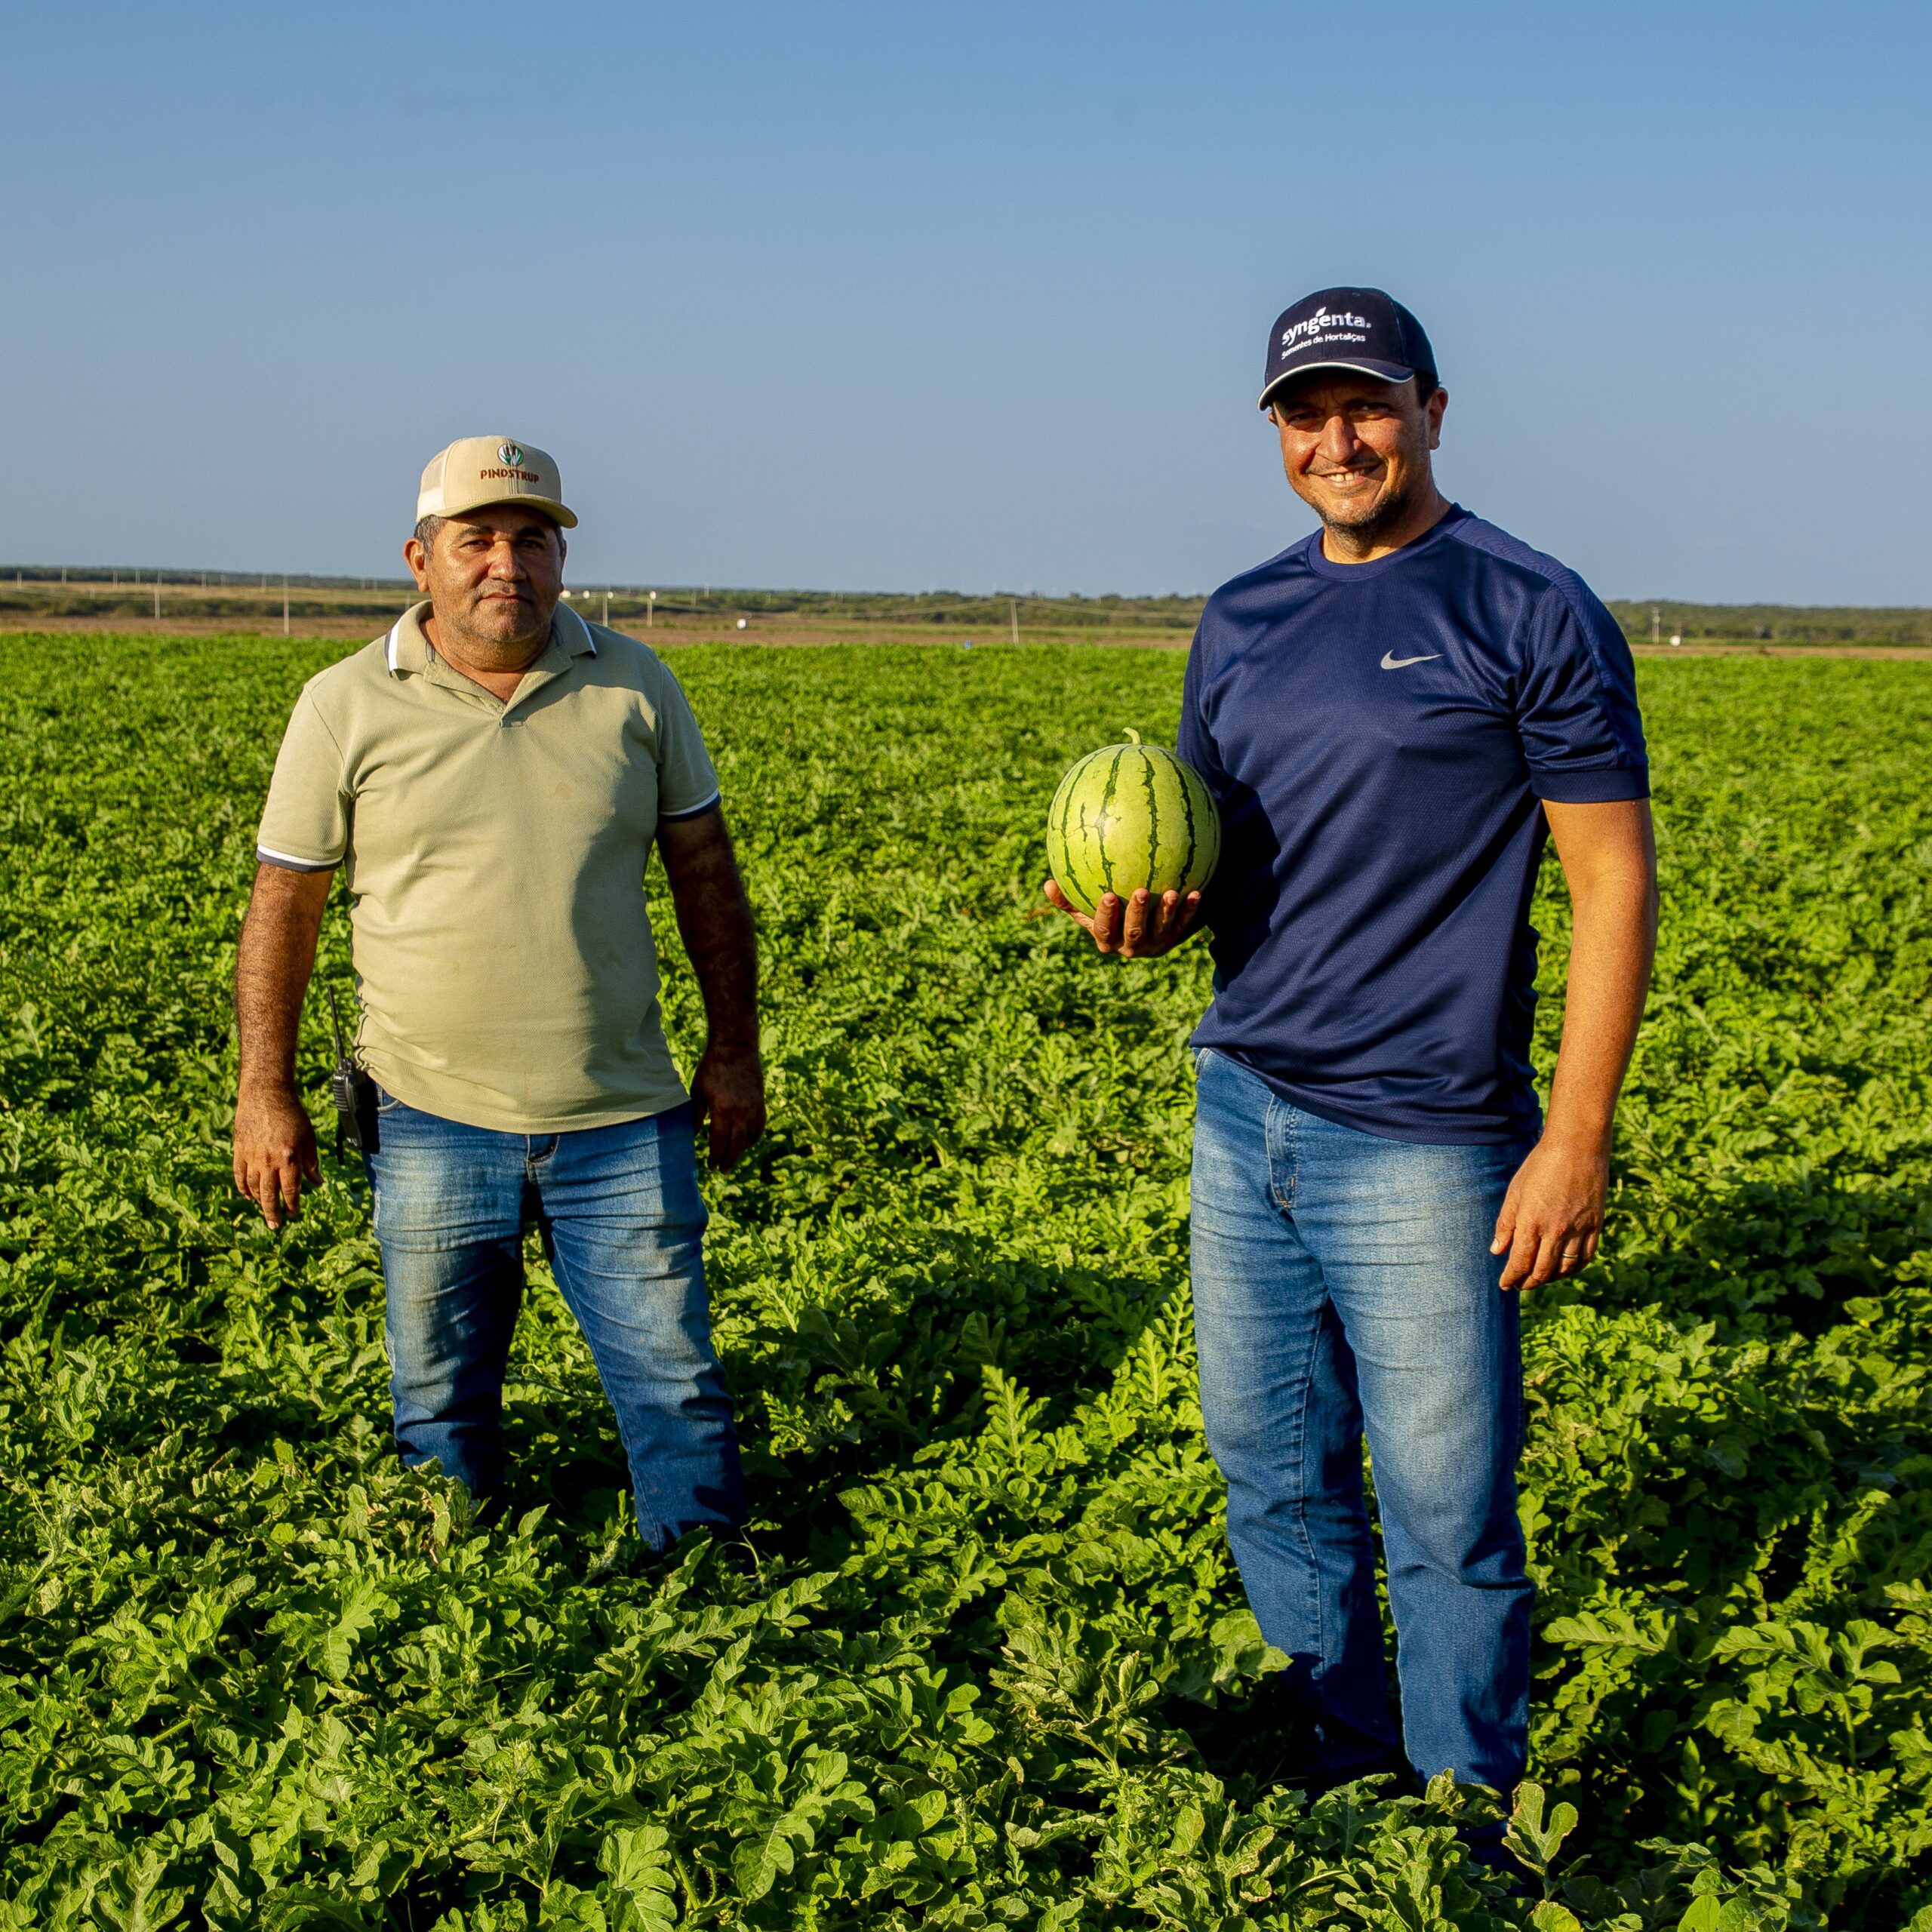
column 284, row 604
column 1657, row 622
column 1012, row 606
column 157, row 597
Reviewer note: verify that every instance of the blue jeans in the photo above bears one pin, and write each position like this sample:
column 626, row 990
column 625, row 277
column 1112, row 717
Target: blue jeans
column 624, row 1223
column 1344, row 1281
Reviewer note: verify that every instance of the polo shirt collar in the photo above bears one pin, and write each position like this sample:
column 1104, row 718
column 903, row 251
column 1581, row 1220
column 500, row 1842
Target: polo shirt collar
column 572, row 633
column 406, row 650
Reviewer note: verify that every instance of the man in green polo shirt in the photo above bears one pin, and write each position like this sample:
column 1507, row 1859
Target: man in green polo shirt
column 489, row 779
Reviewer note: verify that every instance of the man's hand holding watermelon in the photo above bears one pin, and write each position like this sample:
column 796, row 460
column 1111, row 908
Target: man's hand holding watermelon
column 1142, row 925
column 1133, row 836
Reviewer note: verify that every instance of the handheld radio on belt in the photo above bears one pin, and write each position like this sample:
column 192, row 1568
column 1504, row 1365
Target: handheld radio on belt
column 354, row 1094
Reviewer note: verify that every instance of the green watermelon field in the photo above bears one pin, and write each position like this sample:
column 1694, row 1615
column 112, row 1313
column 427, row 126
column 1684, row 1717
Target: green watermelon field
column 987, row 1664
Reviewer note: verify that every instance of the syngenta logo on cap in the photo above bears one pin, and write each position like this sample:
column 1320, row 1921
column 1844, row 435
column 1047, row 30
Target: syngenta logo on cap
column 511, row 453
column 1305, row 333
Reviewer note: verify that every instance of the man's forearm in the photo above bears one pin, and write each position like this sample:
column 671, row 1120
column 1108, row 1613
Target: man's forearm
column 1551, row 1218
column 273, row 964
column 715, row 916
column 724, row 955
column 1612, row 939
column 715, row 921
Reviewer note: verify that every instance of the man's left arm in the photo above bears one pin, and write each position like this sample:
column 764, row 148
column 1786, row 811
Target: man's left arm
column 715, row 918
column 1552, row 1217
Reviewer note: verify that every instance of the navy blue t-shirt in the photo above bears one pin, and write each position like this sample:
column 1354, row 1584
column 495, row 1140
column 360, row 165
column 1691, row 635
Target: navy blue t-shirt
column 1378, row 736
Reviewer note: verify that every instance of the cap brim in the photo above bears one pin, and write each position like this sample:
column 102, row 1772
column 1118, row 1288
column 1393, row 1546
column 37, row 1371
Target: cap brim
column 1382, row 372
column 555, row 511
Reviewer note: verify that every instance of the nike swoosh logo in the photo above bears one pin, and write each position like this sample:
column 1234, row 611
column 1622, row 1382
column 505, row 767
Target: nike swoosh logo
column 1390, row 661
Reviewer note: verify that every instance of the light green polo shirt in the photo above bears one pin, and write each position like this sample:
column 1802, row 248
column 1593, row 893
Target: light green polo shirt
column 494, row 855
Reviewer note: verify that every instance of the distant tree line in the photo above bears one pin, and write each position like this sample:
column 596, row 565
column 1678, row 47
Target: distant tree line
column 1776, row 623
column 107, row 590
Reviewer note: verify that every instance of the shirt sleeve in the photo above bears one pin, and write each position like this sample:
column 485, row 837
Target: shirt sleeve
column 1582, row 736
column 305, row 823
column 1194, row 743
column 1229, row 901
column 686, row 782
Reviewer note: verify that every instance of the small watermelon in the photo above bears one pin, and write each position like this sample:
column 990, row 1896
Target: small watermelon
column 1127, row 815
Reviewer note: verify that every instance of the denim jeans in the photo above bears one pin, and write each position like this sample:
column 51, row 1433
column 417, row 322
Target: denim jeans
column 624, row 1223
column 1343, row 1281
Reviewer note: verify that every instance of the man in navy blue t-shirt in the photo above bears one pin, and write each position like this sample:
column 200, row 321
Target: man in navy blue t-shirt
column 1392, row 716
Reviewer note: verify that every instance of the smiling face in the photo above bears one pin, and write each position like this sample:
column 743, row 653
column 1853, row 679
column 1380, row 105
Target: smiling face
column 494, row 575
column 1356, row 451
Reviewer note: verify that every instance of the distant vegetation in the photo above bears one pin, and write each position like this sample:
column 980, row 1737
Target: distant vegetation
column 1777, row 623
column 246, row 600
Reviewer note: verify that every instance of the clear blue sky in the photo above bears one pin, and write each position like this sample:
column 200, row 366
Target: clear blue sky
column 901, row 296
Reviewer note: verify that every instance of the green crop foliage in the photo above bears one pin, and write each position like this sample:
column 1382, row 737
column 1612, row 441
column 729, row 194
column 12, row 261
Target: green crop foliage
column 988, row 1664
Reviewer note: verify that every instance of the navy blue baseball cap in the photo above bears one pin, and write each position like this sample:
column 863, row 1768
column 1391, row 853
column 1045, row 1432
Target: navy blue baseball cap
column 1361, row 329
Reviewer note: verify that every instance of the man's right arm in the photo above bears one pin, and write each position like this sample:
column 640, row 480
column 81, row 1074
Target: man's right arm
column 275, row 1140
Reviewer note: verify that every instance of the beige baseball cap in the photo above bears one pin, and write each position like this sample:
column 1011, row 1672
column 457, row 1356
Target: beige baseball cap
column 477, row 470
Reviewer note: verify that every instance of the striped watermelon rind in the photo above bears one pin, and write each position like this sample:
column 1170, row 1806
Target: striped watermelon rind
column 1129, row 816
